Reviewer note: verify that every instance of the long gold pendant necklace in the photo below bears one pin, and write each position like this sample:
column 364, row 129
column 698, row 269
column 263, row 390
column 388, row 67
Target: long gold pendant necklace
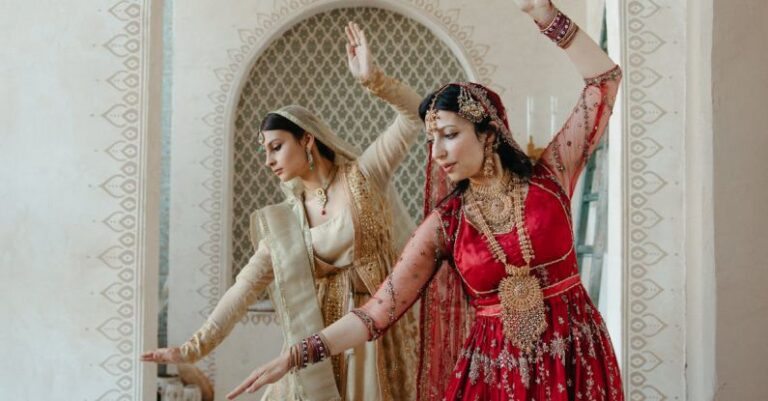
column 321, row 193
column 522, row 300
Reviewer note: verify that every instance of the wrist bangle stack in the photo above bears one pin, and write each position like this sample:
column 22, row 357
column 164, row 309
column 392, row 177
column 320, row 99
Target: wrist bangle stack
column 308, row 351
column 561, row 30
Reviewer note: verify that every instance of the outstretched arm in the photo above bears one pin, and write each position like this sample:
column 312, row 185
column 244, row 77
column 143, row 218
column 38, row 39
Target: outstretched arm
column 396, row 295
column 250, row 283
column 570, row 149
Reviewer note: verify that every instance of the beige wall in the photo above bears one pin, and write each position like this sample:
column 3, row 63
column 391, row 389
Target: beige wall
column 740, row 98
column 78, row 242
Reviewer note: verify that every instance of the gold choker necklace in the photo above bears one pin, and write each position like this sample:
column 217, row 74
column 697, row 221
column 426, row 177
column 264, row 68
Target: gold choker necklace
column 494, row 200
column 321, row 193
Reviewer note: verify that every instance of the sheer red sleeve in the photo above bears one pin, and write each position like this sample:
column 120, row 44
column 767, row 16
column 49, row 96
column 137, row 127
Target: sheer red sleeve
column 569, row 151
column 410, row 275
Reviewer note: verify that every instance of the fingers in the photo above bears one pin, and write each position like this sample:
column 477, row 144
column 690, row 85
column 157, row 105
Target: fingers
column 152, row 356
column 244, row 385
column 256, row 385
column 361, row 36
column 350, row 35
column 355, row 35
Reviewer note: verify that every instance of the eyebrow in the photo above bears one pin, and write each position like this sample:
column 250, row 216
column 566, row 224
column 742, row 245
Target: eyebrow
column 272, row 141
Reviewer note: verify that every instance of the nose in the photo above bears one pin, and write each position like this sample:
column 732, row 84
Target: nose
column 269, row 160
column 438, row 150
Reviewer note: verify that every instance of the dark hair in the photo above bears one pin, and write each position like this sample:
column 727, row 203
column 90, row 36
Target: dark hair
column 273, row 121
column 511, row 158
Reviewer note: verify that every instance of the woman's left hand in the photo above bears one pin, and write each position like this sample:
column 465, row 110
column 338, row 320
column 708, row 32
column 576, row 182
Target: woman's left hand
column 266, row 374
column 358, row 53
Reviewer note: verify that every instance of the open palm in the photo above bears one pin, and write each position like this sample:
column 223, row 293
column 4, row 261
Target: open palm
column 358, row 53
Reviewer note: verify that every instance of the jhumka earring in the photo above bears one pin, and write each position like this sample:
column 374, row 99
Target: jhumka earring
column 311, row 160
column 489, row 164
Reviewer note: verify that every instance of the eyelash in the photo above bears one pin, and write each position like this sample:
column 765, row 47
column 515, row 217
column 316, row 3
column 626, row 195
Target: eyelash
column 447, row 136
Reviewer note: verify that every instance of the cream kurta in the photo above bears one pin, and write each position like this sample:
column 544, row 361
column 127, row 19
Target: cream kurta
column 333, row 243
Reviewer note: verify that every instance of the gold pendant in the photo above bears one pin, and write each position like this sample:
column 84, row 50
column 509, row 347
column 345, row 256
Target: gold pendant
column 497, row 211
column 322, row 198
column 522, row 309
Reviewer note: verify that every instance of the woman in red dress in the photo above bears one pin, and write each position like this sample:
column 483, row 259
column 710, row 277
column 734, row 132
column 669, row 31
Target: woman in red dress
column 504, row 315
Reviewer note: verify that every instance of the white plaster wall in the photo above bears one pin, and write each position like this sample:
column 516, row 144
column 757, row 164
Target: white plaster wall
column 652, row 197
column 739, row 83
column 700, row 271
column 77, row 227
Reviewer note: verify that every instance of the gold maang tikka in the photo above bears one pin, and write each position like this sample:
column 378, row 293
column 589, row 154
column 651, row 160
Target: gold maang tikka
column 469, row 108
column 431, row 117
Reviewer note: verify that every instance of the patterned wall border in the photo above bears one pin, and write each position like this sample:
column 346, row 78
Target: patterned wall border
column 126, row 186
column 285, row 13
column 653, row 126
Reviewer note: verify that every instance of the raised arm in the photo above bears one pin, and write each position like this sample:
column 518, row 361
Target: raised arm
column 250, row 283
column 382, row 157
column 396, row 295
column 570, row 149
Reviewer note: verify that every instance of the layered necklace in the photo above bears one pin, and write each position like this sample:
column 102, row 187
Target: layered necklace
column 502, row 204
column 321, row 193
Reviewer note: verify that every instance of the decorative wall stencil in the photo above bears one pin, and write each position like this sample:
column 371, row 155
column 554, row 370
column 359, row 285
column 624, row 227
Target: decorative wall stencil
column 126, row 117
column 314, row 74
column 654, row 364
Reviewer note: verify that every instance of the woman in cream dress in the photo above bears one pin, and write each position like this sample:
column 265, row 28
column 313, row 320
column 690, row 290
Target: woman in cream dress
column 328, row 246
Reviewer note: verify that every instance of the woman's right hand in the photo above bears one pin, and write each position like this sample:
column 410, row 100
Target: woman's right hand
column 163, row 355
column 359, row 56
column 266, row 374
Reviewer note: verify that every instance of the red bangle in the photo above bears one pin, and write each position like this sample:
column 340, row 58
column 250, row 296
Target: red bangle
column 562, row 30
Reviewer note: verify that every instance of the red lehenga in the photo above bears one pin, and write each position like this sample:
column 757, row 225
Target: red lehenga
column 447, row 263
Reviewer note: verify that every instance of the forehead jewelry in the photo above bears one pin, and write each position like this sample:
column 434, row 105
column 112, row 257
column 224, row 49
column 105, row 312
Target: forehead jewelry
column 431, row 118
column 469, row 108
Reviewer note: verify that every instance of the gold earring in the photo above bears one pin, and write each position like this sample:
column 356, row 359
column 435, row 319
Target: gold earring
column 311, row 160
column 488, row 163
